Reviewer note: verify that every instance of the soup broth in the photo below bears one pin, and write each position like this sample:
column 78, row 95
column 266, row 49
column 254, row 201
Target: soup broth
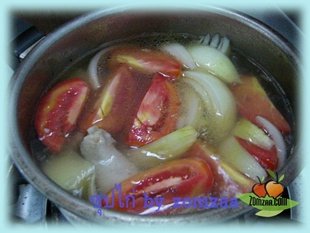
column 144, row 124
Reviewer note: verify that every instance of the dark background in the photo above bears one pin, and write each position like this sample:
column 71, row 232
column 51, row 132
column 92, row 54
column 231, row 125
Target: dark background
column 47, row 21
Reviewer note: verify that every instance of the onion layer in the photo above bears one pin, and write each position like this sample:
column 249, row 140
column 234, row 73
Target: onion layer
column 248, row 131
column 167, row 148
column 69, row 170
column 192, row 107
column 214, row 62
column 234, row 154
column 94, row 66
column 180, row 53
column 277, row 137
column 220, row 107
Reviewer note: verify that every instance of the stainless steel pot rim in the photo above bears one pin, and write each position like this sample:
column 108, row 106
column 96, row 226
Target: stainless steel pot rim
column 66, row 200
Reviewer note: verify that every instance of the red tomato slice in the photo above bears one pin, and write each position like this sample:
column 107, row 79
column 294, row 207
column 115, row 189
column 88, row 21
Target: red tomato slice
column 157, row 114
column 109, row 107
column 58, row 112
column 175, row 179
column 268, row 159
column 253, row 101
column 147, row 61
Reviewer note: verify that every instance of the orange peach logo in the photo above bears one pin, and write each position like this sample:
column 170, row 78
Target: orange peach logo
column 267, row 196
column 259, row 189
column 274, row 189
column 271, row 188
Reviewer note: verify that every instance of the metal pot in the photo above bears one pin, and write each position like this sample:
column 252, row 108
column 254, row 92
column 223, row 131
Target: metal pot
column 87, row 33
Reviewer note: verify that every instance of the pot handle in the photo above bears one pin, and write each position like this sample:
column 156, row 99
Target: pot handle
column 24, row 37
column 30, row 206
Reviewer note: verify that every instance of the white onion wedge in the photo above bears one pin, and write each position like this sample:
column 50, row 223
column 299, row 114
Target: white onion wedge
column 237, row 176
column 277, row 137
column 192, row 107
column 180, row 53
column 69, row 170
column 93, row 68
column 93, row 72
column 233, row 153
column 214, row 62
column 220, row 106
column 248, row 131
column 167, row 148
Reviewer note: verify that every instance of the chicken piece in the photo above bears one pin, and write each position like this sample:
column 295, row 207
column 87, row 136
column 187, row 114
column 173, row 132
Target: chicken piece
column 111, row 166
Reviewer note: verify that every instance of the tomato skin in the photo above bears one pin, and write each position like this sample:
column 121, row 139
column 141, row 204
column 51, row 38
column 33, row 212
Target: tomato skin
column 253, row 101
column 147, row 61
column 58, row 112
column 178, row 178
column 109, row 106
column 266, row 158
column 157, row 114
